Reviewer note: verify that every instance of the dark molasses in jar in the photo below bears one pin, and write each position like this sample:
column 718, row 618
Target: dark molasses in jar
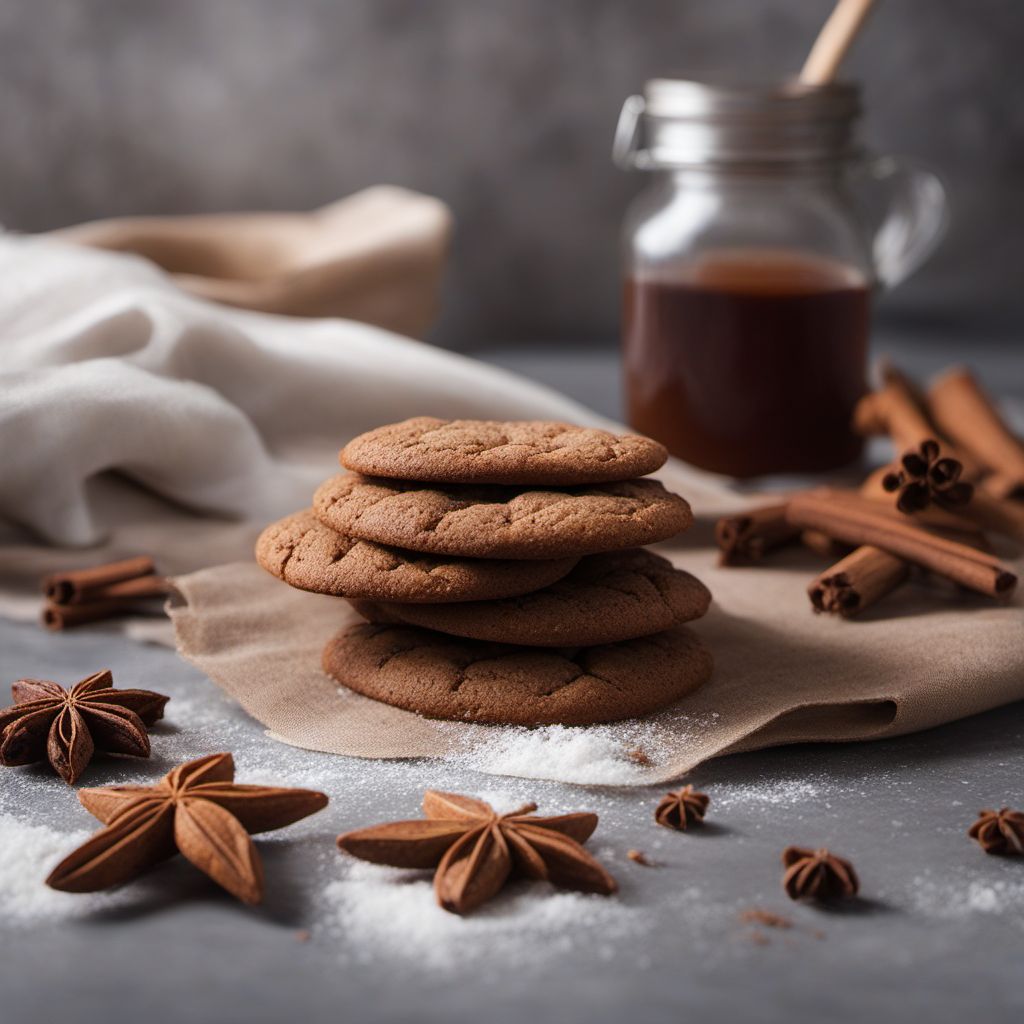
column 748, row 362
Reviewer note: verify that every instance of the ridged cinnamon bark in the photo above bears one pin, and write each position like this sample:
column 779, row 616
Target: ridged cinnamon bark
column 857, row 581
column 858, row 520
column 744, row 539
column 982, row 512
column 82, row 584
column 963, row 411
column 899, row 410
column 65, row 616
column 932, row 517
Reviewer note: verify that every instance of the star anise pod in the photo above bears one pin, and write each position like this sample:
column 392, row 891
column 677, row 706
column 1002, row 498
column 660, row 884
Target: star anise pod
column 924, row 476
column 196, row 810
column 68, row 726
column 681, row 808
column 999, row 831
column 475, row 850
column 817, row 875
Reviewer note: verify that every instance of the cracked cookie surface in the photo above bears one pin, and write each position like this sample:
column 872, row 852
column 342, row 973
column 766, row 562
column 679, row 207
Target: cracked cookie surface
column 475, row 681
column 501, row 522
column 496, row 452
column 304, row 553
column 605, row 599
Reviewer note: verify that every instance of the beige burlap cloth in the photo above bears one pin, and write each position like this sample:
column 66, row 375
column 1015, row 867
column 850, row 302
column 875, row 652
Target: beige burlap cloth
column 925, row 656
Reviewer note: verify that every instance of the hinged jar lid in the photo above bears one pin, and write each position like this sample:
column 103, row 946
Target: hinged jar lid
column 677, row 123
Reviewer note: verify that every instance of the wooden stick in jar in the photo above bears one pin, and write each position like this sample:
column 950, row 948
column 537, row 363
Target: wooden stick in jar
column 834, row 40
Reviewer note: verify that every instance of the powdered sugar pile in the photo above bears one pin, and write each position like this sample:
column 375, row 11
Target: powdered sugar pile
column 29, row 852
column 601, row 755
column 393, row 914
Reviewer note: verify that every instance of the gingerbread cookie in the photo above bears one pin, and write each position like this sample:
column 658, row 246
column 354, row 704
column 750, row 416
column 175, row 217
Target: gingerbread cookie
column 605, row 599
column 489, row 451
column 501, row 522
column 474, row 681
column 304, row 553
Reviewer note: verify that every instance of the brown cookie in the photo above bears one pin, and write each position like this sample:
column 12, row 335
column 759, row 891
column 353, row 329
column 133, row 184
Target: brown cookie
column 303, row 552
column 501, row 522
column 606, row 598
column 475, row 681
column 493, row 452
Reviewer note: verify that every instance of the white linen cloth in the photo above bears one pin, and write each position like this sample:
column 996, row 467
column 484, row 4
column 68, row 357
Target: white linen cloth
column 105, row 365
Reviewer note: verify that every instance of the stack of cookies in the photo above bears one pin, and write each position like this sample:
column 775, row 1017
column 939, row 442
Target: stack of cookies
column 499, row 571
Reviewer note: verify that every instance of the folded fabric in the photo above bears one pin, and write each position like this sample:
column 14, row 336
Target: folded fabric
column 376, row 256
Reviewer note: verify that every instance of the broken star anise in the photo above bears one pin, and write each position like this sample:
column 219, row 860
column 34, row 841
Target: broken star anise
column 999, row 831
column 196, row 810
column 924, row 476
column 475, row 850
column 67, row 726
column 681, row 808
column 817, row 875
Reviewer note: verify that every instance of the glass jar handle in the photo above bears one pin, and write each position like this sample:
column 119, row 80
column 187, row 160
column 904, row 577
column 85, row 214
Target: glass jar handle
column 917, row 218
column 626, row 148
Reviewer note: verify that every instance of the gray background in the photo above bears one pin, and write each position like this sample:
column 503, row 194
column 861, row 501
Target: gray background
column 505, row 108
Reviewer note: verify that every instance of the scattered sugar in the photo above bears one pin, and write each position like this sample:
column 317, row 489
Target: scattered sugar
column 620, row 754
column 595, row 756
column 775, row 792
column 374, row 913
column 29, row 853
column 959, row 898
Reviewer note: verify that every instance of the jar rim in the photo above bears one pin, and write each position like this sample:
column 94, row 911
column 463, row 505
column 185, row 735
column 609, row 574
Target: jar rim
column 789, row 99
column 681, row 123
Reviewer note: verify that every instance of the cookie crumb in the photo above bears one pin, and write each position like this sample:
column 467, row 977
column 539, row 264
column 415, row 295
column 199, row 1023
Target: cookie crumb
column 639, row 857
column 767, row 918
column 302, row 935
column 639, row 756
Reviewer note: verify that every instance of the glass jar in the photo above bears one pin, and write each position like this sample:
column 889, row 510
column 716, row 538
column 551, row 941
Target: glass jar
column 749, row 269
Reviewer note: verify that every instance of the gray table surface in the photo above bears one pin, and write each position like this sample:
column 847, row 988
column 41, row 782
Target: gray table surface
column 939, row 934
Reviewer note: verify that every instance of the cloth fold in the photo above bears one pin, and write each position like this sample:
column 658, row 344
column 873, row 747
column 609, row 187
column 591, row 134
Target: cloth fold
column 376, row 256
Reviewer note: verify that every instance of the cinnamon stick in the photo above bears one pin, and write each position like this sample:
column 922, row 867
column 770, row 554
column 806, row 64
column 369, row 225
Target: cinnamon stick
column 965, row 413
column 900, row 410
column 857, row 581
column 821, row 544
column 83, row 584
column 857, row 520
column 982, row 512
column 744, row 539
column 996, row 514
column 933, row 517
column 65, row 616
column 895, row 409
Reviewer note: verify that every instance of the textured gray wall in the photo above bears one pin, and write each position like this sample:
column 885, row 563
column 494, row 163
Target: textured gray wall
column 505, row 108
